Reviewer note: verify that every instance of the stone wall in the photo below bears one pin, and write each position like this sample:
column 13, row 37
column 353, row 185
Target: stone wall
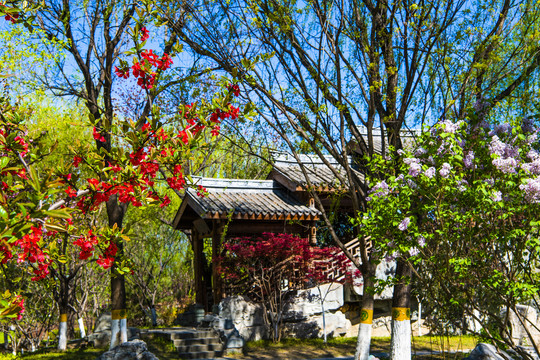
column 302, row 317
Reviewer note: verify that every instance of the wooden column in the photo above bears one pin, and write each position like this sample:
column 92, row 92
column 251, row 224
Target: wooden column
column 217, row 282
column 198, row 267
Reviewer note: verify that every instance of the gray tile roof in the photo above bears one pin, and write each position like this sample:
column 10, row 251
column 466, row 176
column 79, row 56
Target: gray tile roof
column 287, row 171
column 408, row 138
column 247, row 199
column 318, row 172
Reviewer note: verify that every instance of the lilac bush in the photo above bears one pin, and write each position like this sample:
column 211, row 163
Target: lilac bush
column 463, row 208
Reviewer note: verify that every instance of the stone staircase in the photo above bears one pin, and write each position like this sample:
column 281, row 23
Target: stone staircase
column 190, row 343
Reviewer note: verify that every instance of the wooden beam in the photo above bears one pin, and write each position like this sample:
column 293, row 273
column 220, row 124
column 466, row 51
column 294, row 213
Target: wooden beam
column 217, row 281
column 198, row 267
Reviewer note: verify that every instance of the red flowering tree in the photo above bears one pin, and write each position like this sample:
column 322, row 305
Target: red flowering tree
column 125, row 166
column 272, row 267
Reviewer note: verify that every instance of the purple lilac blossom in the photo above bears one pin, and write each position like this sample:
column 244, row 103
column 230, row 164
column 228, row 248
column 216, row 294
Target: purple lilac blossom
column 501, row 129
column 448, row 126
column 391, row 257
column 532, row 154
column 506, row 165
column 414, row 251
column 532, row 167
column 430, row 172
column 468, row 160
column 497, row 147
column 415, row 169
column 404, row 224
column 445, row 170
column 490, row 181
column 480, row 104
column 420, row 151
column 462, row 185
column 531, row 188
column 411, row 184
column 441, row 149
column 421, row 241
column 497, row 196
column 528, row 125
column 507, row 154
column 381, row 189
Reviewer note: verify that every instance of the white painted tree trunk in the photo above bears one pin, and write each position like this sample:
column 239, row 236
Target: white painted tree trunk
column 81, row 327
column 364, row 342
column 419, row 319
column 123, row 331
column 62, row 335
column 400, row 344
column 323, row 313
column 115, row 333
column 118, row 331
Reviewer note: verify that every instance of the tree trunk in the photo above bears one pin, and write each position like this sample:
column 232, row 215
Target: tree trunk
column 366, row 320
column 323, row 314
column 118, row 305
column 63, row 301
column 115, row 212
column 153, row 315
column 62, row 330
column 400, row 343
column 81, row 327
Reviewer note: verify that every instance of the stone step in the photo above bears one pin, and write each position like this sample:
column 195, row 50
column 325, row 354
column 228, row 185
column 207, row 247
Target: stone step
column 201, row 355
column 202, row 341
column 199, row 334
column 197, row 348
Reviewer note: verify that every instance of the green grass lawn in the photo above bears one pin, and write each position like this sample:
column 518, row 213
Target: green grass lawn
column 79, row 354
column 294, row 349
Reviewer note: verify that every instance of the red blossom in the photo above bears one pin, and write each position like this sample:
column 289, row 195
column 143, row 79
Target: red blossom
column 86, row 244
column 71, row 192
column 23, row 143
column 97, row 136
column 12, row 17
column 166, row 202
column 165, row 62
column 149, row 56
column 162, row 135
column 215, row 130
column 234, row 89
column 122, row 73
column 137, row 70
column 77, row 160
column 5, row 254
column 183, row 136
column 145, row 34
column 147, row 81
column 201, row 191
column 104, row 262
column 233, row 112
column 19, row 301
column 176, row 182
column 137, row 157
